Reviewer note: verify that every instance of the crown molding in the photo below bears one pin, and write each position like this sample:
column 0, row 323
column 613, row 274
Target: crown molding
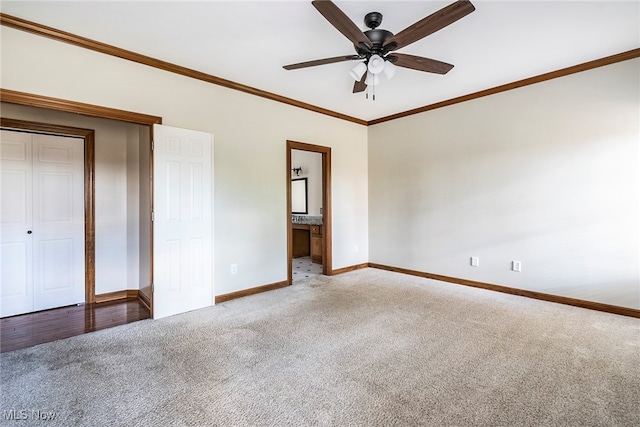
column 63, row 36
column 624, row 56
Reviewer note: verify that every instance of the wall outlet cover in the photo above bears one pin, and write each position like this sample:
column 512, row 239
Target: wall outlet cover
column 516, row 266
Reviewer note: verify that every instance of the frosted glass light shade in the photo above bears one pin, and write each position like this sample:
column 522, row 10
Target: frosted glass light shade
column 389, row 69
column 376, row 64
column 358, row 71
column 372, row 79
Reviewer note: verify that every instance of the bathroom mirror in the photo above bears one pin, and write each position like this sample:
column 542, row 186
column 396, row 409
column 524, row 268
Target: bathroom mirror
column 299, row 203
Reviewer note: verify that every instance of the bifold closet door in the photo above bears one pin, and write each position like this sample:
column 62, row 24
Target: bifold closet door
column 16, row 245
column 41, row 222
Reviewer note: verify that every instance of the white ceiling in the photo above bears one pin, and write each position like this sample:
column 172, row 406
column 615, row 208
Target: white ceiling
column 249, row 42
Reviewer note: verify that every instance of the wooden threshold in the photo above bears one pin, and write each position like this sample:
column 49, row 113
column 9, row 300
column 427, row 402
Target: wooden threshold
column 614, row 309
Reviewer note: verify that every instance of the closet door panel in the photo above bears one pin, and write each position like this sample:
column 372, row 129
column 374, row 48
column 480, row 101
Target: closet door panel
column 58, row 221
column 16, row 243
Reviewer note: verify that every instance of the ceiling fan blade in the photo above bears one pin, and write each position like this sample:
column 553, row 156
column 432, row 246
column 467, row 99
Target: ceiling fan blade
column 360, row 86
column 341, row 22
column 419, row 63
column 321, row 62
column 432, row 23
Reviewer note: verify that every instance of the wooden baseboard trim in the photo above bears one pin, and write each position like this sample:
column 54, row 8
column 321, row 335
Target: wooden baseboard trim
column 614, row 309
column 349, row 268
column 144, row 300
column 250, row 291
column 277, row 285
column 117, row 295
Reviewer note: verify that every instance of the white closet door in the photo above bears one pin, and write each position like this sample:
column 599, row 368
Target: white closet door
column 183, row 221
column 42, row 240
column 16, row 246
column 58, row 221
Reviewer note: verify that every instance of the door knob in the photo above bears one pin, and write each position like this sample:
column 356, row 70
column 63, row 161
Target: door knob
column 29, row 232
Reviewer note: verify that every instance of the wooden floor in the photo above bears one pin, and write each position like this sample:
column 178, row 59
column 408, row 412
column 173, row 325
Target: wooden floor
column 27, row 330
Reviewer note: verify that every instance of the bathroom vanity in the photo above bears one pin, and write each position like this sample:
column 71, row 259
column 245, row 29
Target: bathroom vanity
column 307, row 237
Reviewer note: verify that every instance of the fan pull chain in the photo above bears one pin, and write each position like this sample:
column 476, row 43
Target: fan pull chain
column 373, row 92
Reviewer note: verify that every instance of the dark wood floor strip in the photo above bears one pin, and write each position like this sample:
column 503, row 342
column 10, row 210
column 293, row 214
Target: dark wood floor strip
column 31, row 329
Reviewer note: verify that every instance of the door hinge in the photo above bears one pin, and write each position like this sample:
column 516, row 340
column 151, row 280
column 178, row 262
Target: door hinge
column 152, row 287
column 152, row 145
column 151, row 216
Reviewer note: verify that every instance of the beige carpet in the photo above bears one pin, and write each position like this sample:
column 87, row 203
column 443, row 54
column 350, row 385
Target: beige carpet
column 366, row 348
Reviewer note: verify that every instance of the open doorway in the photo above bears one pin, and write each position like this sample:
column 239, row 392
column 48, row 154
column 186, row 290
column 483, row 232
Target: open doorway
column 63, row 292
column 116, row 126
column 308, row 210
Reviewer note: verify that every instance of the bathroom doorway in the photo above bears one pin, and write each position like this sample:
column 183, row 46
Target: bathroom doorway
column 308, row 210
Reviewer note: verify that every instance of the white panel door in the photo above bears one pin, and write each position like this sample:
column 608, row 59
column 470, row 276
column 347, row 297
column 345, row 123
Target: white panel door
column 183, row 221
column 58, row 221
column 16, row 246
column 42, row 222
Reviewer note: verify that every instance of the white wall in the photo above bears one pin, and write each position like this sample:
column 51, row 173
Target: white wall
column 311, row 164
column 547, row 175
column 250, row 149
column 116, row 193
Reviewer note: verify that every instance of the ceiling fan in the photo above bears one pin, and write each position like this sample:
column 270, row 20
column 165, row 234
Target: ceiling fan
column 374, row 46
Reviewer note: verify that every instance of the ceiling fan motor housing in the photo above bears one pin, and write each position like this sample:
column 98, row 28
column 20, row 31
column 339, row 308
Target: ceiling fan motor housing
column 377, row 36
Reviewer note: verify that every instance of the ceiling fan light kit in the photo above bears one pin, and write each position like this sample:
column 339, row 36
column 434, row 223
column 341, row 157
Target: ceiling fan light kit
column 389, row 70
column 358, row 71
column 374, row 46
column 372, row 79
column 376, row 64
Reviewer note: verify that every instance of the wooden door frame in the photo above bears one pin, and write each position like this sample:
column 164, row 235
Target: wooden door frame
column 327, row 260
column 89, row 190
column 57, row 104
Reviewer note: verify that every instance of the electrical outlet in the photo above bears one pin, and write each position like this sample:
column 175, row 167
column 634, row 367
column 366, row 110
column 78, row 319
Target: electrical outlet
column 516, row 266
column 356, row 248
column 234, row 268
column 475, row 261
